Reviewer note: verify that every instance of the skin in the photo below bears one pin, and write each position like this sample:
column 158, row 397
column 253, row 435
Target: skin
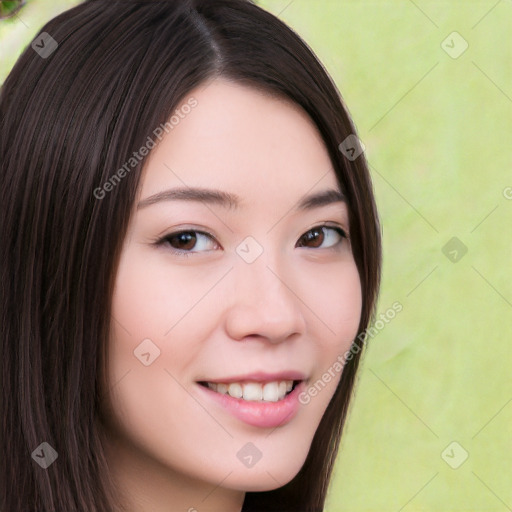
column 212, row 314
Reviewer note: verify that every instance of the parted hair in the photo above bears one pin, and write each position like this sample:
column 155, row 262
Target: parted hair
column 67, row 123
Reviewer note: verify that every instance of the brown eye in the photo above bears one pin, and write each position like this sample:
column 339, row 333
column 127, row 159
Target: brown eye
column 185, row 243
column 316, row 236
column 185, row 240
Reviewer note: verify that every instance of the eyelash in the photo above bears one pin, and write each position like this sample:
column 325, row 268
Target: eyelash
column 165, row 239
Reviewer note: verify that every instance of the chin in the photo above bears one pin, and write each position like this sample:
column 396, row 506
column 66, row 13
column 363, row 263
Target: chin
column 264, row 479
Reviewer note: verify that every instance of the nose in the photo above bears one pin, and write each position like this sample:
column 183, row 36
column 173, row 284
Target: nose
column 263, row 303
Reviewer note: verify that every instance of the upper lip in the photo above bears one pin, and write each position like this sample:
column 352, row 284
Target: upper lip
column 260, row 377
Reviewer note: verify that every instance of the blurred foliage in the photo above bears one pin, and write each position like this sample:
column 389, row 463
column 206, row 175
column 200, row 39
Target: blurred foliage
column 8, row 9
column 17, row 31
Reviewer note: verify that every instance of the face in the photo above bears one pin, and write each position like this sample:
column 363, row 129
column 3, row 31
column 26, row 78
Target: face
column 253, row 296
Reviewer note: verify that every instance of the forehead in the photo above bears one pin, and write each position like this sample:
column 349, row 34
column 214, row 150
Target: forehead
column 241, row 140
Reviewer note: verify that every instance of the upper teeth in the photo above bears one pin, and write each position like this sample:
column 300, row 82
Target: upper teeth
column 254, row 391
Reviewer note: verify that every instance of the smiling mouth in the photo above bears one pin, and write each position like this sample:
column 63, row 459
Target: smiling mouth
column 272, row 391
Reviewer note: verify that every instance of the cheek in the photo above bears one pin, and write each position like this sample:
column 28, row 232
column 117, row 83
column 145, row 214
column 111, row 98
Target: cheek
column 338, row 305
column 150, row 297
column 338, row 312
column 152, row 313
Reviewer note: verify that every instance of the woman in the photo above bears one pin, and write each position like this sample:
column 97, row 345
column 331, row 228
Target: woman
column 134, row 378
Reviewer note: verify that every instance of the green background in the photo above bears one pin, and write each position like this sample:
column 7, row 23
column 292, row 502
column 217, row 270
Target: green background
column 438, row 131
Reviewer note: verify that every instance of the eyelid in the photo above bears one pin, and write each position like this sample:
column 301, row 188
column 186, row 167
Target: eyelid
column 182, row 229
column 161, row 240
column 333, row 225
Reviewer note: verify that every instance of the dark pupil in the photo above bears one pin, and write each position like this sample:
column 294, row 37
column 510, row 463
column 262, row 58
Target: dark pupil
column 187, row 237
column 315, row 233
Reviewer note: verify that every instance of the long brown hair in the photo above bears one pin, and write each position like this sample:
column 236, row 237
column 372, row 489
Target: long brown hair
column 68, row 122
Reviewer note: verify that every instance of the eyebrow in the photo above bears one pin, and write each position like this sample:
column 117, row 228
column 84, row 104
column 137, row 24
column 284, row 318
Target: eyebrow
column 230, row 200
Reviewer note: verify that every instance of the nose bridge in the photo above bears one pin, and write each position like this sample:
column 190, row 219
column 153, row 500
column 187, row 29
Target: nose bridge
column 264, row 279
column 264, row 302
column 272, row 271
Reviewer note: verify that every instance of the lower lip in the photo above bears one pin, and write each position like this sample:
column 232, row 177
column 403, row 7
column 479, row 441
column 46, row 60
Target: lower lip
column 260, row 414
